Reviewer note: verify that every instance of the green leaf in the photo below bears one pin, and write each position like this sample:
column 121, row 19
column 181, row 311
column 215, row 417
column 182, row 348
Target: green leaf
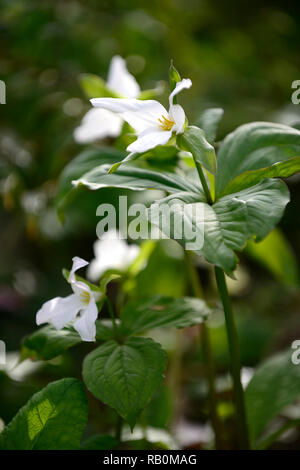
column 99, row 442
column 254, row 149
column 80, row 165
column 47, row 342
column 138, row 179
column 275, row 385
column 162, row 312
column 227, row 225
column 193, row 140
column 95, row 87
column 209, row 122
column 125, row 376
column 53, row 419
column 249, row 178
column 276, row 254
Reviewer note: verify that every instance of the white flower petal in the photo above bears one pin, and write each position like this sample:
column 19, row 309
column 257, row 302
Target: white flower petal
column 59, row 311
column 149, row 139
column 77, row 264
column 85, row 325
column 111, row 252
column 139, row 114
column 98, row 124
column 120, row 80
column 178, row 116
column 185, row 83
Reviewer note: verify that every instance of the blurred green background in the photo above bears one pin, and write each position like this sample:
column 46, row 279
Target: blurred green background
column 241, row 56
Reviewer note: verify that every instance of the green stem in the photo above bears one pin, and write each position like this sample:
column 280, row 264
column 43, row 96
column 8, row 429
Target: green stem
column 203, row 182
column 235, row 360
column 208, row 357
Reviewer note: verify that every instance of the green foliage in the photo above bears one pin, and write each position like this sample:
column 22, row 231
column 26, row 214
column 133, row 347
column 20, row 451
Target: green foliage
column 47, row 342
column 94, row 86
column 275, row 385
column 227, row 225
column 53, row 419
column 80, row 165
column 248, row 154
column 125, row 376
column 275, row 253
column 193, row 140
column 162, row 312
column 209, row 122
column 136, row 179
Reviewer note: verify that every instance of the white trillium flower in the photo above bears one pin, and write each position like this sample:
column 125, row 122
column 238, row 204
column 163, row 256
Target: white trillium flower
column 111, row 252
column 153, row 123
column 62, row 310
column 98, row 123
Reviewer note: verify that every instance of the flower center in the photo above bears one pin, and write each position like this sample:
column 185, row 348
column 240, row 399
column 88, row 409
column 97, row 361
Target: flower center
column 166, row 124
column 85, row 297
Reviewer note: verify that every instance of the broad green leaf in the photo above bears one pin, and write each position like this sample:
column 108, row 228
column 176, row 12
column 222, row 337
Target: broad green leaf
column 276, row 254
column 209, row 122
column 47, row 342
column 125, row 376
column 95, row 87
column 254, row 148
column 162, row 312
column 193, row 140
column 53, row 419
column 252, row 177
column 80, row 165
column 275, row 385
column 227, row 225
column 99, row 442
column 138, row 179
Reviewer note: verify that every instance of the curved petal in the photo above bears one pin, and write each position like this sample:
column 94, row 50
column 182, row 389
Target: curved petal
column 85, row 325
column 98, row 124
column 141, row 115
column 184, row 84
column 77, row 264
column 120, row 80
column 149, row 139
column 59, row 311
column 178, row 116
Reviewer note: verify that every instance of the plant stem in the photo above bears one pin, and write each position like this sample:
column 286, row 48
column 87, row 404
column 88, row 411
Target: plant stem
column 208, row 357
column 203, row 182
column 235, row 360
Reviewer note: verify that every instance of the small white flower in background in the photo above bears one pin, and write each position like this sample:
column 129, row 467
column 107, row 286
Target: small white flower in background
column 99, row 123
column 153, row 123
column 111, row 252
column 62, row 310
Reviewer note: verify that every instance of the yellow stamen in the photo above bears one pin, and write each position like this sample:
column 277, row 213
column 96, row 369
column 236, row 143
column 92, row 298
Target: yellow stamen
column 85, row 297
column 166, row 124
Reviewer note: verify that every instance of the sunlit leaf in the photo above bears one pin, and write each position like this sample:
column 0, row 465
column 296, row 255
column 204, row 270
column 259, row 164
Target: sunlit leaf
column 53, row 419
